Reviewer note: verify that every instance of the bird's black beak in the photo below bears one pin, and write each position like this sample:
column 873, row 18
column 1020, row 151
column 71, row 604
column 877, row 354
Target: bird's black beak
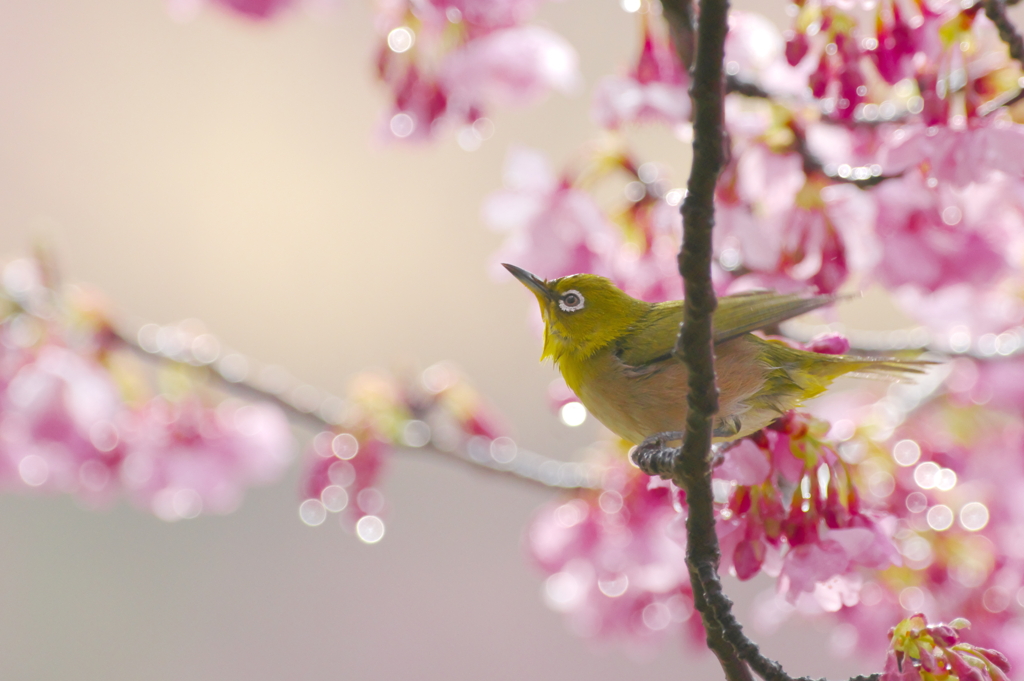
column 531, row 281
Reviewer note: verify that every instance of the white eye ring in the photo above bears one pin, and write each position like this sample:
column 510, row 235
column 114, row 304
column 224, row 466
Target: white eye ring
column 567, row 307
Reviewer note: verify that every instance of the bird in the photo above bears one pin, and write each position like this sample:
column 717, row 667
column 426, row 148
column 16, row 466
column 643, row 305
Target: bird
column 616, row 353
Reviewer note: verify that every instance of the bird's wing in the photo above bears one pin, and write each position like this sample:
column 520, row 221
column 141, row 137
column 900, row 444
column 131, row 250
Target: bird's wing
column 745, row 312
column 654, row 337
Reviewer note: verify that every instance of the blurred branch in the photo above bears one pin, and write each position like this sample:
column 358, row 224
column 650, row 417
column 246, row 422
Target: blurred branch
column 862, row 178
column 679, row 15
column 526, row 466
column 996, row 11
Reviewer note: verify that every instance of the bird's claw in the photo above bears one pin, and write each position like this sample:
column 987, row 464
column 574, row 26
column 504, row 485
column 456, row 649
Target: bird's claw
column 654, row 457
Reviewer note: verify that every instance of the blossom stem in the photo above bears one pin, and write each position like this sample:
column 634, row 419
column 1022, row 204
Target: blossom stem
column 529, row 467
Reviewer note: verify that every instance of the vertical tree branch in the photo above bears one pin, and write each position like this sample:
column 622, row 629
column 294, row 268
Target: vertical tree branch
column 690, row 467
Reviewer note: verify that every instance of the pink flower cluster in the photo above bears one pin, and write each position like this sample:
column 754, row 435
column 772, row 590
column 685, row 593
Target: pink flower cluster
column 556, row 227
column 953, row 473
column 448, row 62
column 344, row 466
column 655, row 89
column 919, row 650
column 67, row 426
column 792, row 510
column 613, row 563
column 786, row 506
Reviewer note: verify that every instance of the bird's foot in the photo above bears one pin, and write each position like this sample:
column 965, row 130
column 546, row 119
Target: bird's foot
column 654, row 456
column 727, row 427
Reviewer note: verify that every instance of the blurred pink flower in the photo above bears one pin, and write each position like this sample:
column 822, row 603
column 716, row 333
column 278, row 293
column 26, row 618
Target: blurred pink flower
column 957, row 156
column 58, row 413
column 344, row 472
column 553, row 229
column 654, row 90
column 511, row 66
column 183, row 459
column 255, row 9
column 486, row 14
column 963, row 307
column 780, row 228
column 894, row 52
column 461, row 59
column 925, row 240
column 755, row 52
column 612, row 568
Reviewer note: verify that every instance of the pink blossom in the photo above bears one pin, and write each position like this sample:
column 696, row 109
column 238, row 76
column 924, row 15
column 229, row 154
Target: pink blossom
column 511, row 66
column 786, row 230
column 655, row 89
column 255, row 9
column 896, row 45
column 344, row 472
column 612, row 568
column 962, row 307
column 646, row 266
column 745, row 463
column 57, row 429
column 958, row 156
column 183, row 459
column 756, row 52
column 465, row 58
column 490, row 13
column 818, row 544
column 553, row 228
column 926, row 242
column 829, row 344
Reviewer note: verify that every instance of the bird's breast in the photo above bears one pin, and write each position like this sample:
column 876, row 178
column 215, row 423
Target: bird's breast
column 635, row 402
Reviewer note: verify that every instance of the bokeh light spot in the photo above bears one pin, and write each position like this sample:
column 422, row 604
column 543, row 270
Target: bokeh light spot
column 906, row 452
column 614, row 587
column 370, row 529
column 401, row 39
column 345, row 445
column 573, row 414
column 974, row 516
column 334, row 498
column 940, row 517
column 312, row 512
column 402, row 124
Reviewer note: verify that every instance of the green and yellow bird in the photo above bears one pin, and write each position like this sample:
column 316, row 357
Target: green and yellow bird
column 615, row 353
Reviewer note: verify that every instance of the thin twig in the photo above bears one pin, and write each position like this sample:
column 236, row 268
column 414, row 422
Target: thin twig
column 529, row 467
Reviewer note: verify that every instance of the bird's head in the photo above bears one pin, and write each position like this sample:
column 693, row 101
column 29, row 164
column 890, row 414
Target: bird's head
column 582, row 312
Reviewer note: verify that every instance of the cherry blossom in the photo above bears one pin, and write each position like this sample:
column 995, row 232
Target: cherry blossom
column 612, row 567
column 553, row 228
column 958, row 156
column 654, row 90
column 921, row 651
column 448, row 63
column 76, row 417
column 926, row 241
column 782, row 228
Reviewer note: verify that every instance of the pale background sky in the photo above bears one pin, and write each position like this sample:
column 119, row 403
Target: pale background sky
column 225, row 170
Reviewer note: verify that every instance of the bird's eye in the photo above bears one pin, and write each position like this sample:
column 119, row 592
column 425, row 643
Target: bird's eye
column 571, row 301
